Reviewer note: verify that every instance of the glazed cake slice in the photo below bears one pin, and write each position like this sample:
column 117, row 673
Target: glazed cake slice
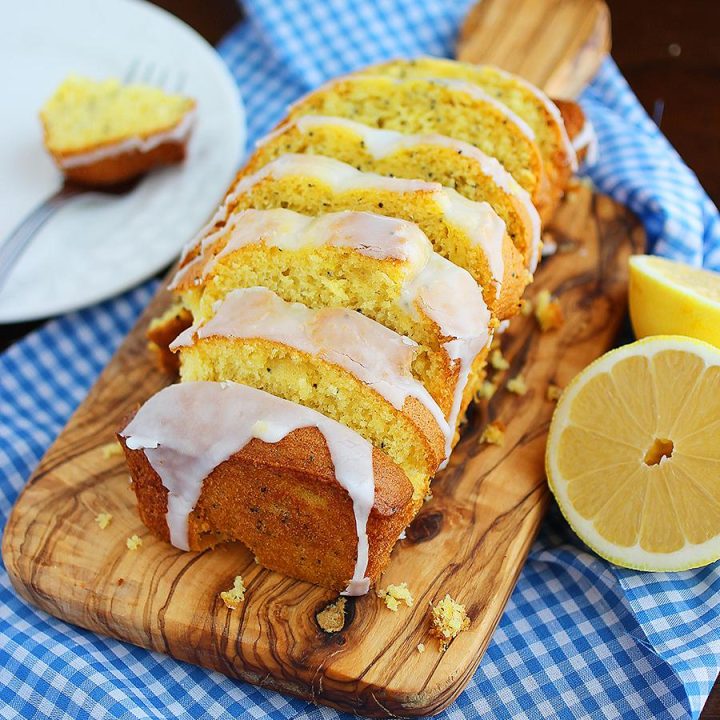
column 468, row 233
column 216, row 462
column 383, row 267
column 522, row 97
column 335, row 361
column 431, row 157
column 449, row 107
column 103, row 132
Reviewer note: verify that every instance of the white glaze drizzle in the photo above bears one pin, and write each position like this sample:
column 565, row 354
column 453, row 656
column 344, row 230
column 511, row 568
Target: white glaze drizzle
column 187, row 430
column 476, row 219
column 376, row 355
column 462, row 316
column 376, row 236
column 178, row 133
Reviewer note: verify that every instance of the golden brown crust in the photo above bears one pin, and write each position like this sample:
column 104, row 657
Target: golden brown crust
column 162, row 331
column 574, row 119
column 516, row 278
column 123, row 166
column 283, row 502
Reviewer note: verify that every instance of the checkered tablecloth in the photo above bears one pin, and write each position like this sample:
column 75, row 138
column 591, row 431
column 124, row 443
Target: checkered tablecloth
column 579, row 638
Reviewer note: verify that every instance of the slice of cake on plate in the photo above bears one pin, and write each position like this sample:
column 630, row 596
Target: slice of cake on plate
column 104, row 132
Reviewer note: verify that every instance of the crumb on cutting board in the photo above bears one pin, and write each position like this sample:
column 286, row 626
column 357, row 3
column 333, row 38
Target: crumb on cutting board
column 486, row 391
column 553, row 392
column 111, row 450
column 103, row 519
column 517, row 385
column 421, row 647
column 526, row 307
column 393, row 595
column 235, row 595
column 548, row 312
column 449, row 619
column 498, row 361
column 494, row 433
column 332, row 617
column 134, row 542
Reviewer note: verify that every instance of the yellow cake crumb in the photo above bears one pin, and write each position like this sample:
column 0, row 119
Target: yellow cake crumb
column 449, row 619
column 332, row 618
column 497, row 360
column 517, row 385
column 428, row 497
column 526, row 307
column 393, row 595
column 553, row 392
column 421, row 647
column 496, row 342
column 548, row 312
column 134, row 542
column 103, row 519
column 486, row 391
column 111, row 449
column 494, row 433
column 235, row 595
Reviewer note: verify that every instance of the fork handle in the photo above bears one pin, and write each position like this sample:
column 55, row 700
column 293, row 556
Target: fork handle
column 17, row 242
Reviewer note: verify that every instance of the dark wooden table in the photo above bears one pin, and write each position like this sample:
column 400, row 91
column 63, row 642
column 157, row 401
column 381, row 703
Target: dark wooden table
column 667, row 50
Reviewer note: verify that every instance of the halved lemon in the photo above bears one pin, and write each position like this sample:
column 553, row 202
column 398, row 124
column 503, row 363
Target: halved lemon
column 633, row 454
column 671, row 298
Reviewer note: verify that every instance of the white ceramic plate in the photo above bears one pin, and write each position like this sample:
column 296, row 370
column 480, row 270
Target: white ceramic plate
column 99, row 245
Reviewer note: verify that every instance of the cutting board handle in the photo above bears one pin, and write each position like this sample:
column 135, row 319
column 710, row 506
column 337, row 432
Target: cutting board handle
column 556, row 44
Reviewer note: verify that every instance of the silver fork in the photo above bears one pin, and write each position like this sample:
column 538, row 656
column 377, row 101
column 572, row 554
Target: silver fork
column 20, row 238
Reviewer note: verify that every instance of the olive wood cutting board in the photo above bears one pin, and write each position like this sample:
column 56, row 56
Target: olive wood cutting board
column 470, row 540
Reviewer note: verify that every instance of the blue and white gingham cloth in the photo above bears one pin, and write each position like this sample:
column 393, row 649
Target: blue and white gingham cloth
column 579, row 638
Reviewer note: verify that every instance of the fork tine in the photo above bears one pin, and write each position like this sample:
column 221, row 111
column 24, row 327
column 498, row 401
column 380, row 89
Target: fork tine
column 162, row 78
column 132, row 71
column 148, row 72
column 180, row 81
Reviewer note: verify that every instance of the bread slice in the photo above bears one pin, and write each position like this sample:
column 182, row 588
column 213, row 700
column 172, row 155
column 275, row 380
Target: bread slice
column 455, row 108
column 470, row 234
column 213, row 462
column 431, row 157
column 335, row 361
column 380, row 266
column 523, row 98
column 103, row 132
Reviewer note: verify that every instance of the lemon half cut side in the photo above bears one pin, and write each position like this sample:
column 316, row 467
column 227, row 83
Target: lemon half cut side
column 668, row 297
column 633, row 454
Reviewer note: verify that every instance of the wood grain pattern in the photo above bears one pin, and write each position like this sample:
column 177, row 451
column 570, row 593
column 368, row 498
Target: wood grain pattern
column 470, row 540
column 556, row 44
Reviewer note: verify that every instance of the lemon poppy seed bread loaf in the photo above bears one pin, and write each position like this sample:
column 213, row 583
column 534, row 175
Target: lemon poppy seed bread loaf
column 454, row 108
column 334, row 315
column 431, row 157
column 468, row 233
column 383, row 267
column 524, row 99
